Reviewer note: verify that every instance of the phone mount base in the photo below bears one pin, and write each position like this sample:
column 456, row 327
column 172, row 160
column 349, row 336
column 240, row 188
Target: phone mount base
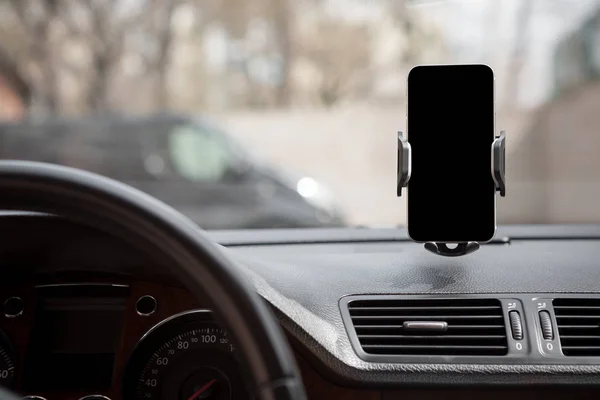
column 498, row 172
column 461, row 249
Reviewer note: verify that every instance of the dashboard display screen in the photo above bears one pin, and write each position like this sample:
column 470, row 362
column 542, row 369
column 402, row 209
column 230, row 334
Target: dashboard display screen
column 75, row 337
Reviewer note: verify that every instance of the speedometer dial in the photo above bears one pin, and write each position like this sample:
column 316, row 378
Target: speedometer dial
column 7, row 364
column 186, row 357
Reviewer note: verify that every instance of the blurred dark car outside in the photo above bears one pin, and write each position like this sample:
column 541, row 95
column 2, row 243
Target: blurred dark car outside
column 184, row 161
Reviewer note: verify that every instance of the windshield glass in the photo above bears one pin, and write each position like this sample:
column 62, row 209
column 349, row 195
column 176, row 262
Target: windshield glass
column 284, row 113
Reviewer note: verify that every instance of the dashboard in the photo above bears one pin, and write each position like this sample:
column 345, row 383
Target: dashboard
column 369, row 315
column 70, row 338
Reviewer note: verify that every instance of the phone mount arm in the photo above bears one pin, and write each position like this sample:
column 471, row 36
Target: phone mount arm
column 498, row 171
column 404, row 163
column 499, row 163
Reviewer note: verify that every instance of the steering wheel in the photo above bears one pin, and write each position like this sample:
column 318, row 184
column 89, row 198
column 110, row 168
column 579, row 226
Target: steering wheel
column 175, row 242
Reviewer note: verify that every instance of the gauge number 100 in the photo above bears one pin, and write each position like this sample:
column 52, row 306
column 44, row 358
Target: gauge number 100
column 184, row 345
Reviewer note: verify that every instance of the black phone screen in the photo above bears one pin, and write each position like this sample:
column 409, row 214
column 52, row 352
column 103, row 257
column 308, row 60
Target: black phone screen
column 451, row 193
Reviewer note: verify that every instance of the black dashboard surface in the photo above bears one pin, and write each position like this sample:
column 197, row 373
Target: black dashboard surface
column 305, row 279
column 305, row 273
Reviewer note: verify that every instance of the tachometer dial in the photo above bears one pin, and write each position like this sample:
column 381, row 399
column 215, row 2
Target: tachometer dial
column 186, row 357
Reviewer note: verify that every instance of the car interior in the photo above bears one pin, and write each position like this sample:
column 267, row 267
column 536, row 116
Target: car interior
column 193, row 271
column 111, row 294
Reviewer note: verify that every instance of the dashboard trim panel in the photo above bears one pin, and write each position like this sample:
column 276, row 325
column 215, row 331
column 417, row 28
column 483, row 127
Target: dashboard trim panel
column 310, row 312
column 304, row 283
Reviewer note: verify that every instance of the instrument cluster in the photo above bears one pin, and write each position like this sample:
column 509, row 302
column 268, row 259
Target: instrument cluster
column 114, row 340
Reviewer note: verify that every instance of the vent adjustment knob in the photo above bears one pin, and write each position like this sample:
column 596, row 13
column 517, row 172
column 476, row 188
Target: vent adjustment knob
column 516, row 325
column 546, row 324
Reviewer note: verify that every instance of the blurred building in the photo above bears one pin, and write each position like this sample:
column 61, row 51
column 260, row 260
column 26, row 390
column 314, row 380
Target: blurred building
column 517, row 38
column 577, row 57
column 553, row 173
column 14, row 91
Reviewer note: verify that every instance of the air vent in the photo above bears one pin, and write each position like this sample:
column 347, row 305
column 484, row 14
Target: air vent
column 469, row 327
column 578, row 322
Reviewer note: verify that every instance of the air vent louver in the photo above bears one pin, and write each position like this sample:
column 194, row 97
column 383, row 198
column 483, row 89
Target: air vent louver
column 469, row 327
column 578, row 322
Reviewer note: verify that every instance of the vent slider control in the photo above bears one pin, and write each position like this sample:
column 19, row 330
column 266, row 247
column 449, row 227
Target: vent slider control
column 429, row 326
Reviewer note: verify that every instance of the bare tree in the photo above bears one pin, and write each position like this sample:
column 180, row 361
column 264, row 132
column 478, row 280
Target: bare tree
column 164, row 37
column 283, row 24
column 519, row 52
column 422, row 40
column 106, row 43
column 340, row 54
column 51, row 29
column 36, row 20
column 236, row 16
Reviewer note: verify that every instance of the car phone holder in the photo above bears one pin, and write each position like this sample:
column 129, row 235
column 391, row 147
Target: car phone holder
column 498, row 172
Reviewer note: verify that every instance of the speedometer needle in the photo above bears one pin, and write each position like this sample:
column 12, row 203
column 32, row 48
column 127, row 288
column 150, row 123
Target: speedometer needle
column 202, row 389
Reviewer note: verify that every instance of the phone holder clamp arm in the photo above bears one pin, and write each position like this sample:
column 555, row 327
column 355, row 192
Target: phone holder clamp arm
column 498, row 171
column 499, row 164
column 404, row 163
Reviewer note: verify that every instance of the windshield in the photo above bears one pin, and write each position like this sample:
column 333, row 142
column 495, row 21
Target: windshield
column 284, row 113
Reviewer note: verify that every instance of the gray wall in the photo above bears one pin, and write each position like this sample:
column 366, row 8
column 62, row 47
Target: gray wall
column 554, row 175
column 353, row 149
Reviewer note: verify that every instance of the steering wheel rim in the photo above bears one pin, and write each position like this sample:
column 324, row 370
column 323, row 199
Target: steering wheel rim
column 149, row 224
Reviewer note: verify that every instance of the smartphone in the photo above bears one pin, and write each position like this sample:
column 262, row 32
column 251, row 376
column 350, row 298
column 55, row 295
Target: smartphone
column 451, row 192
